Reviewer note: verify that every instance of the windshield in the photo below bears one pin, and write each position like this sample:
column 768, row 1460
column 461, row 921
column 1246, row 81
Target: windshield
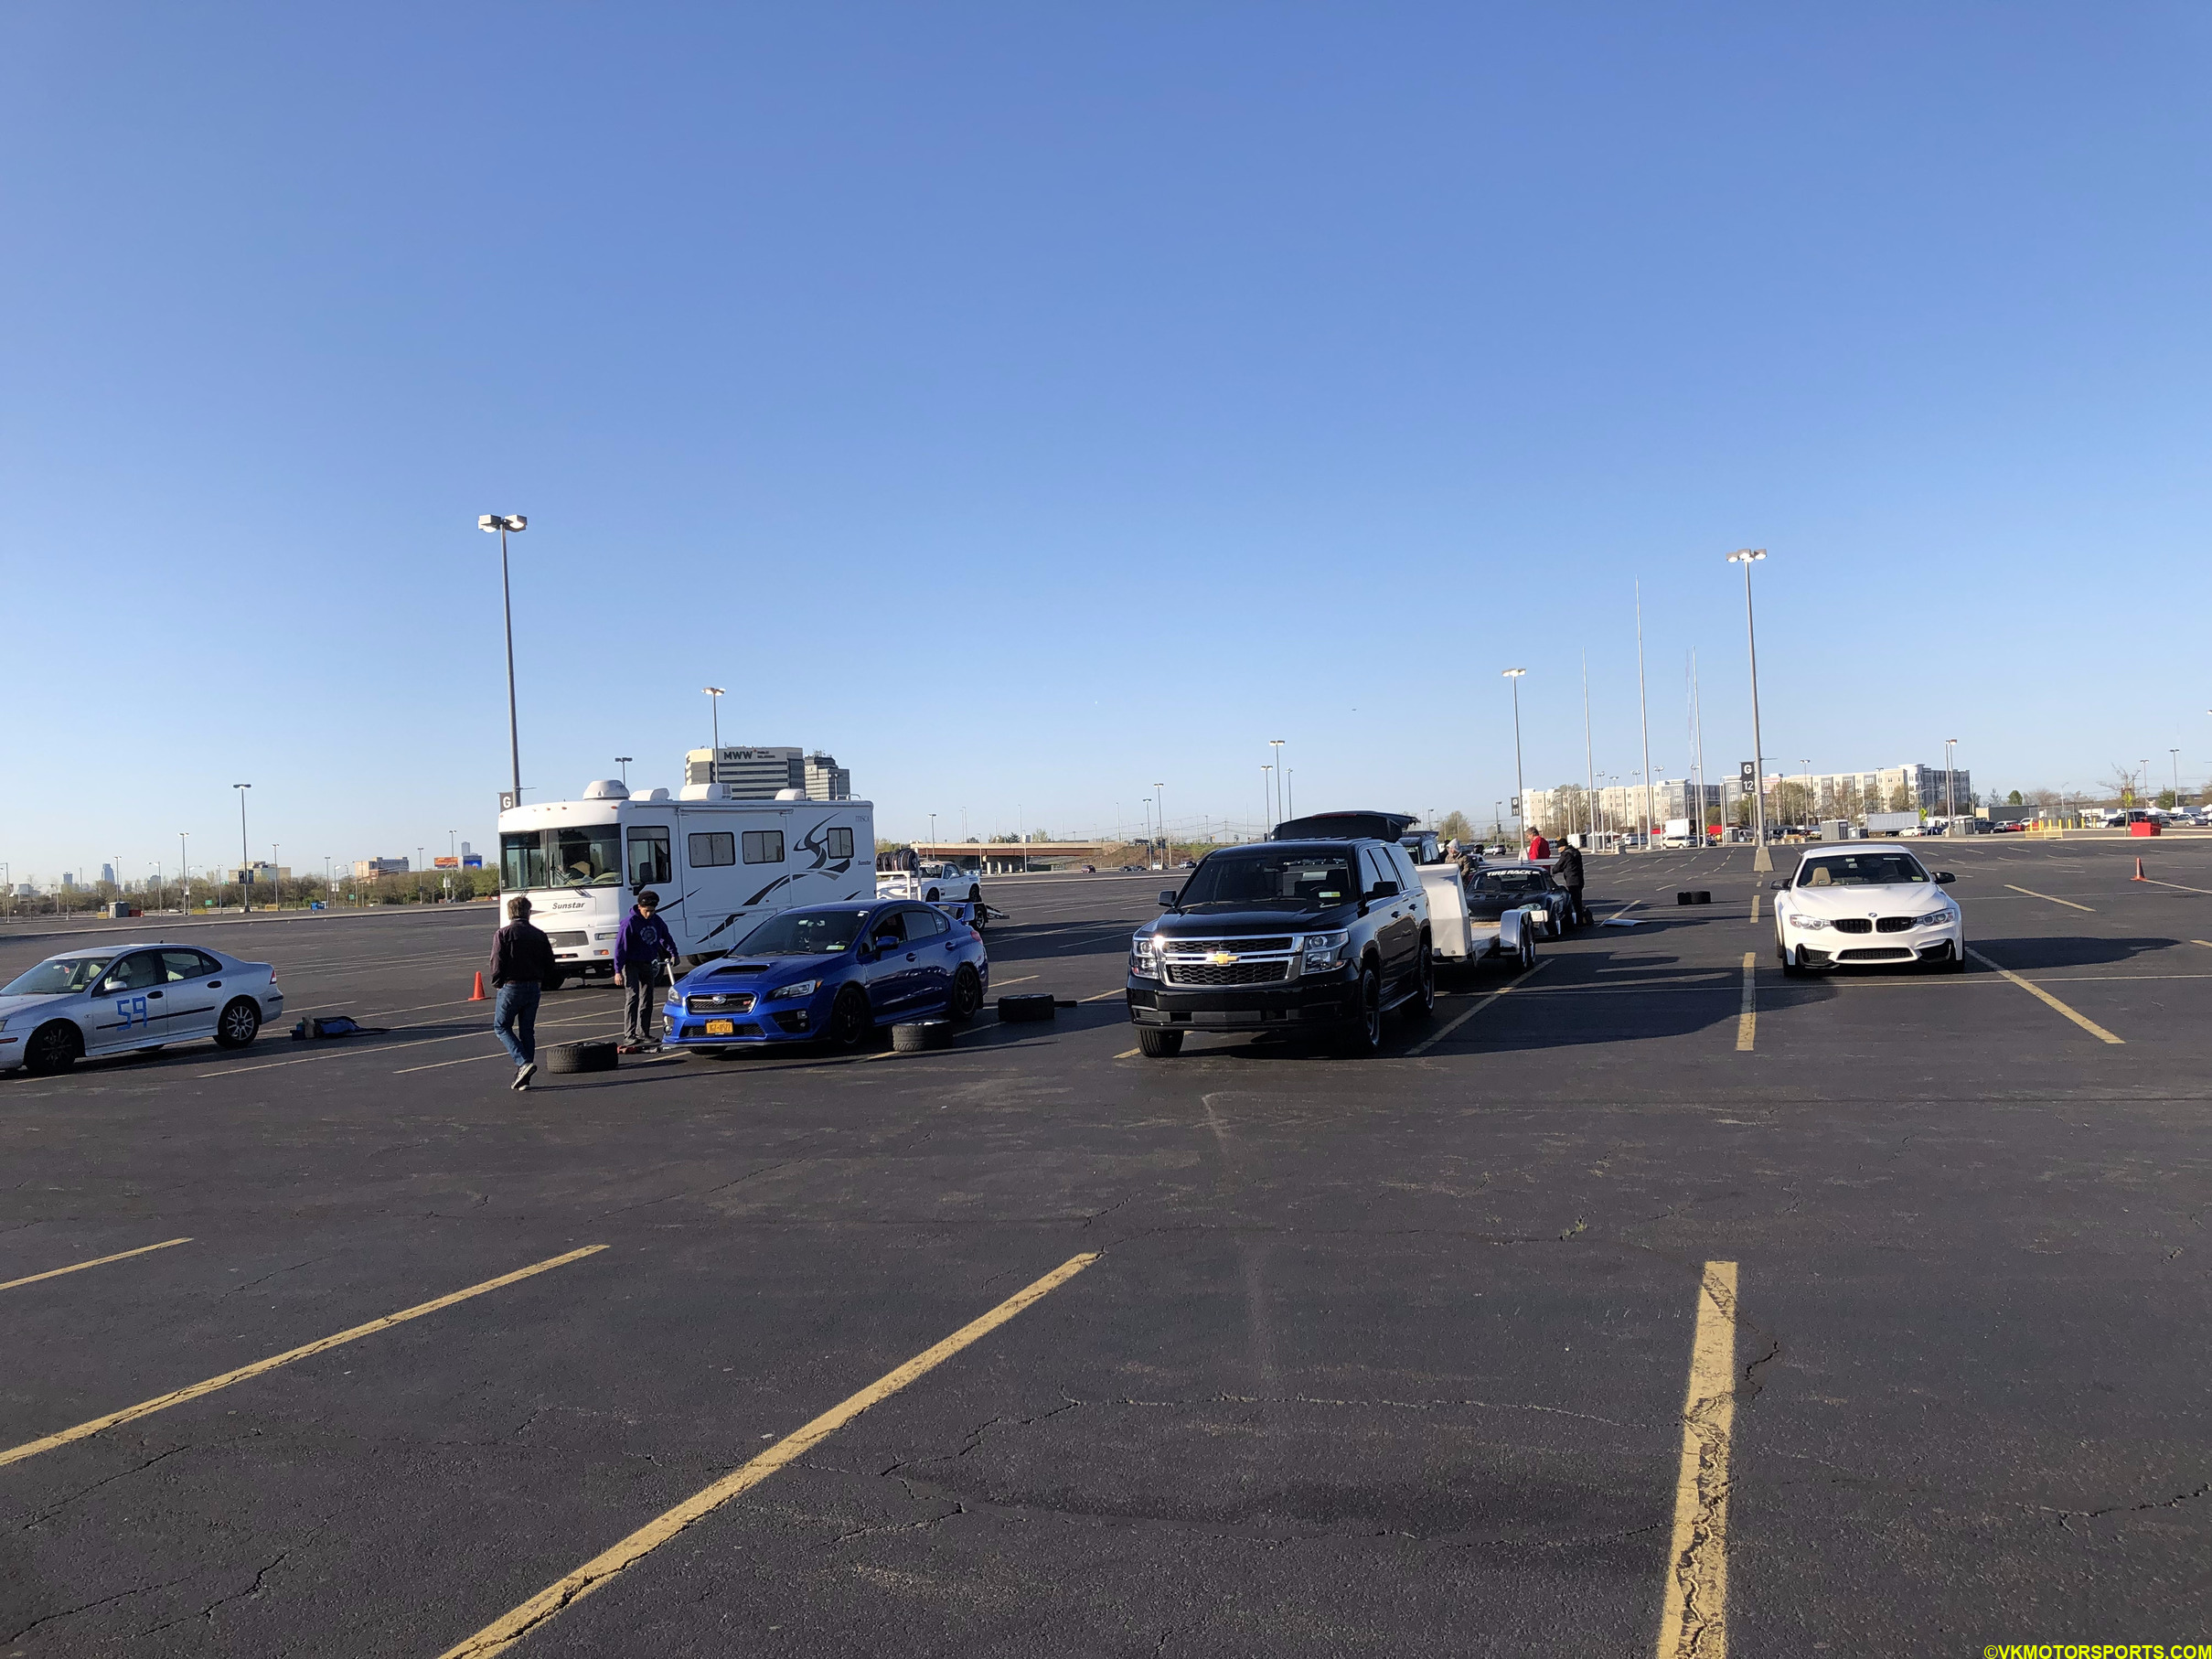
column 1508, row 881
column 575, row 855
column 1272, row 878
column 1862, row 869
column 804, row 932
column 62, row 974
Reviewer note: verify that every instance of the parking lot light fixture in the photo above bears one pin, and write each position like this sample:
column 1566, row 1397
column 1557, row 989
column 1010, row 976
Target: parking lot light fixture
column 504, row 523
column 1520, row 788
column 714, row 700
column 245, row 858
column 623, row 762
column 1761, row 860
column 1277, row 745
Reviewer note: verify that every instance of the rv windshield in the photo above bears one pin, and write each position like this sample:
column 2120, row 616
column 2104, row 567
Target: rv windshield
column 574, row 855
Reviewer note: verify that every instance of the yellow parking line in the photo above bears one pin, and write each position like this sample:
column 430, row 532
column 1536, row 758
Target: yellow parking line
column 1746, row 1023
column 1127, row 1053
column 2048, row 897
column 1694, row 1617
column 2042, row 995
column 1755, row 899
column 2205, row 942
column 98, row 1261
column 1107, row 996
column 503, row 1633
column 161, row 1402
column 1426, row 1043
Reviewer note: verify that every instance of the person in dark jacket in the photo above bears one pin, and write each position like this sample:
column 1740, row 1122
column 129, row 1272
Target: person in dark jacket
column 1568, row 872
column 522, row 961
column 641, row 951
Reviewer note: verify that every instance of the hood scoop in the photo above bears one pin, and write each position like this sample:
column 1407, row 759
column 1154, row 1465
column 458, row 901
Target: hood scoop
column 743, row 968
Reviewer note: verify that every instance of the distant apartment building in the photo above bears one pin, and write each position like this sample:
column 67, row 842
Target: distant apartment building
column 761, row 772
column 260, row 873
column 1566, row 811
column 369, row 869
column 1884, row 789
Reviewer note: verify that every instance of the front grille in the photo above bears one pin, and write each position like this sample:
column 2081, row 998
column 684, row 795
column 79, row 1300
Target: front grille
column 1854, row 924
column 733, row 1001
column 1243, row 947
column 1896, row 923
column 1236, row 973
column 565, row 941
column 1879, row 953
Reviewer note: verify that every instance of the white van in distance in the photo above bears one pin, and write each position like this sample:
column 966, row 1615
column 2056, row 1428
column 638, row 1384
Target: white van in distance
column 721, row 866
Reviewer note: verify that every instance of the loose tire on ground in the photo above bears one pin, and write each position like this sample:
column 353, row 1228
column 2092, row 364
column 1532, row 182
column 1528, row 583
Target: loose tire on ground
column 239, row 1023
column 1159, row 1044
column 565, row 1057
column 916, row 1035
column 1015, row 1010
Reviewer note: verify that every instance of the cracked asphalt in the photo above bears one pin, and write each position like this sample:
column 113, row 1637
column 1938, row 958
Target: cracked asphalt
column 1379, row 1357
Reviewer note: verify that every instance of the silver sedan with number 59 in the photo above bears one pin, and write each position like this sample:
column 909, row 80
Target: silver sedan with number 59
column 131, row 999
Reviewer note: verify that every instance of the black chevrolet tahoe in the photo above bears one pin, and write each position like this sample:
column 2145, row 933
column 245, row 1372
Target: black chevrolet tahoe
column 1320, row 933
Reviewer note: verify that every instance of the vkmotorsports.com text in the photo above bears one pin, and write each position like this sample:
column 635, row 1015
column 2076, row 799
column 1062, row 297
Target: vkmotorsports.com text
column 2098, row 1649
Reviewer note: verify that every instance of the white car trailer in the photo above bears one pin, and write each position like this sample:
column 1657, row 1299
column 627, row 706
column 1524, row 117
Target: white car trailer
column 721, row 866
column 1459, row 940
column 956, row 892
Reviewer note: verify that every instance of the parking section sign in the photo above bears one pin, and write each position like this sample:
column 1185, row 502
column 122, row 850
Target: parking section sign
column 1749, row 771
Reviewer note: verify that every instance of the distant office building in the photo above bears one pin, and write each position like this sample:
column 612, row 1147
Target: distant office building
column 68, row 881
column 826, row 780
column 107, row 874
column 755, row 773
column 260, row 873
column 369, row 869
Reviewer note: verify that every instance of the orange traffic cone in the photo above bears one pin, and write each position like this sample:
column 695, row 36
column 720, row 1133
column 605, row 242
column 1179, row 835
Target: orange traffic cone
column 2139, row 875
column 477, row 995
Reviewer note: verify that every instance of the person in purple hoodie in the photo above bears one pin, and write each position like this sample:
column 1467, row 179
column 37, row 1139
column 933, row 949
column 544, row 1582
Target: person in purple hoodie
column 641, row 954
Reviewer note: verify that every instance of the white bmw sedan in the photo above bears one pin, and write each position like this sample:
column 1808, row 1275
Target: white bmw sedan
column 131, row 998
column 1843, row 909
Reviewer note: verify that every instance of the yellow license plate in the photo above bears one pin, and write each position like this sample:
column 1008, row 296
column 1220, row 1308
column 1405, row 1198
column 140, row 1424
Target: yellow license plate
column 721, row 1028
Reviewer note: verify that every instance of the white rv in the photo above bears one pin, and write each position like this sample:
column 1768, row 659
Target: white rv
column 721, row 866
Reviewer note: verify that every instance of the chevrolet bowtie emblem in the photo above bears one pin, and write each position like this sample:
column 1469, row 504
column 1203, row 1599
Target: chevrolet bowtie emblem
column 1222, row 959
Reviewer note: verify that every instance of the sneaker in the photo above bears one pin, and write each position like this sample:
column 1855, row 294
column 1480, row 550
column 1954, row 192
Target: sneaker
column 522, row 1077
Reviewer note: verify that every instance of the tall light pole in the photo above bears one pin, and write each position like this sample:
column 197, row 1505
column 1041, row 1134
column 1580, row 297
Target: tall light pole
column 1520, row 786
column 714, row 698
column 504, row 523
column 1644, row 713
column 1761, row 858
column 1589, row 764
column 1266, row 798
column 933, row 828
column 2176, row 755
column 184, row 874
column 245, row 892
column 1277, row 745
column 1159, row 792
column 1950, row 795
column 1289, row 793
column 1809, row 808
column 623, row 762
column 277, row 879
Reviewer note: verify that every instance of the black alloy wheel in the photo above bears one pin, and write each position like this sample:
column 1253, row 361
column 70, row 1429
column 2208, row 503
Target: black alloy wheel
column 1422, row 1003
column 848, row 1021
column 967, row 995
column 1364, row 1035
column 53, row 1048
column 238, row 1025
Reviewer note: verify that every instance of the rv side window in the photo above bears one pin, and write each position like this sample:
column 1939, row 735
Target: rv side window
column 763, row 846
column 713, row 847
column 841, row 843
column 650, row 858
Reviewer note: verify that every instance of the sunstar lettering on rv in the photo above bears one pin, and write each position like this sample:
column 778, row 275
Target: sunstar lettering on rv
column 721, row 866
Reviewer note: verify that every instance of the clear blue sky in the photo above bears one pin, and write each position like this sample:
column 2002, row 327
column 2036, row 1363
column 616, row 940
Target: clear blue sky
column 1031, row 404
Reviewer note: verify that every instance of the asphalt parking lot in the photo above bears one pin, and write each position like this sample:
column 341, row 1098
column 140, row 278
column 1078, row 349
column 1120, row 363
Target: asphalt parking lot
column 1640, row 1297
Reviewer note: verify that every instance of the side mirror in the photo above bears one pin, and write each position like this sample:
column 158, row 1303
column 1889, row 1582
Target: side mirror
column 1167, row 897
column 883, row 942
column 1779, row 886
column 1944, row 878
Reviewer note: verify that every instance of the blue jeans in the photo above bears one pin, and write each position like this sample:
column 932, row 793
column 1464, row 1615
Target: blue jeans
column 515, row 1019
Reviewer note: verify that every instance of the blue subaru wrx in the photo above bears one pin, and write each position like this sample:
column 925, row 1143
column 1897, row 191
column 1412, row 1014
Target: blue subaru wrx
column 830, row 973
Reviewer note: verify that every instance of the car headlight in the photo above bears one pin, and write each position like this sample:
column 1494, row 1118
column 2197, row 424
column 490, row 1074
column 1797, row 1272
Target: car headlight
column 1144, row 956
column 1936, row 919
column 1810, row 923
column 797, row 988
column 1324, row 950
